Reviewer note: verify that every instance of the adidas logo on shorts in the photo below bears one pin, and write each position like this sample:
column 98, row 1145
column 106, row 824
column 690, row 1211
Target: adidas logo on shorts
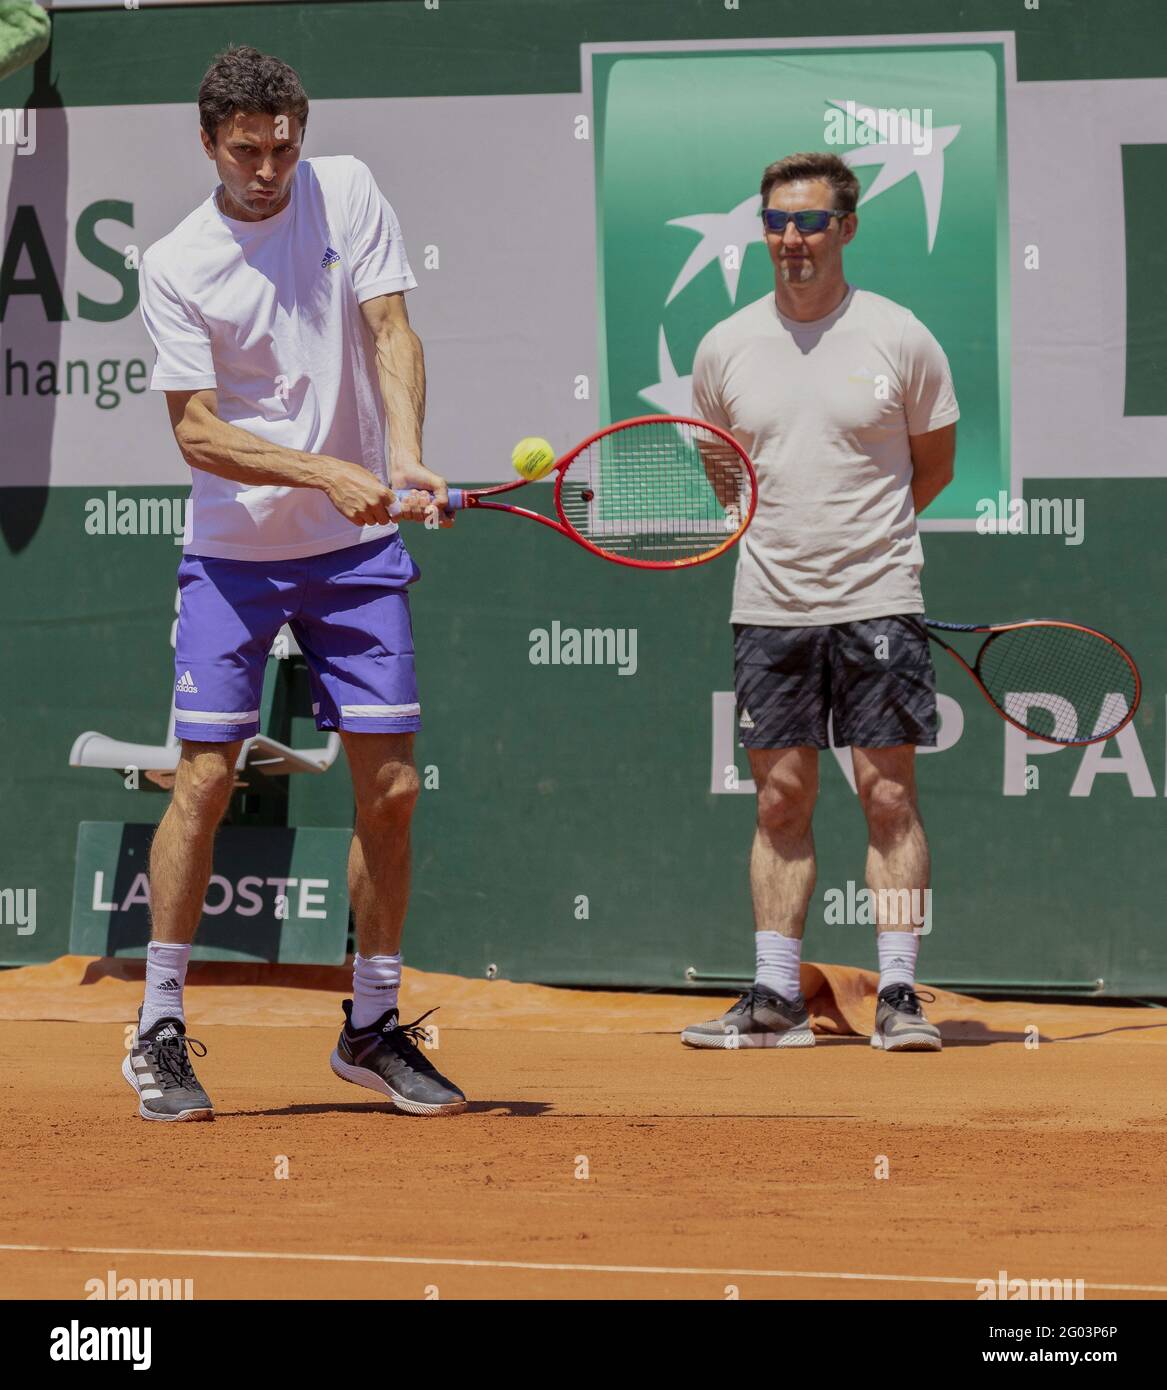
column 186, row 685
column 745, row 722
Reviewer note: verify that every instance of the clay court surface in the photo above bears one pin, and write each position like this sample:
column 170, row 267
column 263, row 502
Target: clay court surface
column 704, row 1169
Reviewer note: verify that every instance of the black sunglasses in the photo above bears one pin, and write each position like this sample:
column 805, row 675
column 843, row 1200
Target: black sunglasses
column 810, row 220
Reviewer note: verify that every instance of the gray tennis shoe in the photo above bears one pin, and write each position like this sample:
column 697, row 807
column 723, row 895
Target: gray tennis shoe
column 760, row 1018
column 386, row 1058
column 158, row 1067
column 900, row 1025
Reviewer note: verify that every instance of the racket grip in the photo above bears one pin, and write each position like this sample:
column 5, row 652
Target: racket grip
column 455, row 494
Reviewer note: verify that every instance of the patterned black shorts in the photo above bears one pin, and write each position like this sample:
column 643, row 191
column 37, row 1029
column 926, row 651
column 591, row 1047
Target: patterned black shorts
column 875, row 677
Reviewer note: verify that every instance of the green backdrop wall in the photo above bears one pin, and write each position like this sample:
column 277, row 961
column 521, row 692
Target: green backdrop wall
column 558, row 783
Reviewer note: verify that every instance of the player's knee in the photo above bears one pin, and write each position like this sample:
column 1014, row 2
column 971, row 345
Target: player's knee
column 203, row 788
column 889, row 806
column 785, row 810
column 391, row 805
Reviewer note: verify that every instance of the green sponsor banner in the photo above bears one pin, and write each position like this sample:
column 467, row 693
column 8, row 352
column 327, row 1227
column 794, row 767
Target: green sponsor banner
column 568, row 829
column 384, row 48
column 275, row 894
column 1144, row 177
column 682, row 138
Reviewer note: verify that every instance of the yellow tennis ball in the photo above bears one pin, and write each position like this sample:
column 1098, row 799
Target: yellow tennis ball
column 533, row 458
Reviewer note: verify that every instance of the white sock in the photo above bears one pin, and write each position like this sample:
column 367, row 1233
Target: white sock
column 897, row 957
column 778, row 958
column 166, row 964
column 376, row 980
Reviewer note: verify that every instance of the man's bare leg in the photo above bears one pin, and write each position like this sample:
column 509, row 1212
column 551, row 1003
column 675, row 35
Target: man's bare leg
column 782, row 877
column 898, row 872
column 181, row 852
column 782, row 860
column 386, row 786
column 897, row 849
column 373, row 1051
column 158, row 1064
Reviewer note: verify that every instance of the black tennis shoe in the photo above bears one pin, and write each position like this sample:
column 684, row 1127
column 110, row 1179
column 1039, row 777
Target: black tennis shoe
column 386, row 1058
column 158, row 1067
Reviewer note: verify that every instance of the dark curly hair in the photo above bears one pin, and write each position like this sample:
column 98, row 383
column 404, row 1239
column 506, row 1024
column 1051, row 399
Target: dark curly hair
column 243, row 79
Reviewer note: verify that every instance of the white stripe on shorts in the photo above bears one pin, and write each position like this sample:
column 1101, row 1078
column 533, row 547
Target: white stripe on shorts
column 202, row 716
column 378, row 711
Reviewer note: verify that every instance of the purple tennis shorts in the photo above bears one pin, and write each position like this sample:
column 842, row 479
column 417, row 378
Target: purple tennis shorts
column 349, row 611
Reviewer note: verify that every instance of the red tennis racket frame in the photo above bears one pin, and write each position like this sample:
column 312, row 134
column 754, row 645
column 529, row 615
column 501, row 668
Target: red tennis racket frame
column 991, row 629
column 474, row 498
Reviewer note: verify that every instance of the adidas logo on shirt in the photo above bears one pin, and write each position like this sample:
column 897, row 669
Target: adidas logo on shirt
column 745, row 722
column 186, row 685
column 330, row 258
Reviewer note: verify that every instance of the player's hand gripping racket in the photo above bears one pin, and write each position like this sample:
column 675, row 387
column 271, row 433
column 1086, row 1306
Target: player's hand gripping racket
column 658, row 492
column 1059, row 682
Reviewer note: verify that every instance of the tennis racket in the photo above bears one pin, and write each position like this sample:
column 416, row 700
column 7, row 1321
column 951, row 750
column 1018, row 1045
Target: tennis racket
column 659, row 492
column 1059, row 682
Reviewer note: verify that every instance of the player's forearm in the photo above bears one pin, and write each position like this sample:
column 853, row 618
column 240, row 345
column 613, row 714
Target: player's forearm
column 401, row 371
column 927, row 486
column 722, row 469
column 933, row 464
column 234, row 453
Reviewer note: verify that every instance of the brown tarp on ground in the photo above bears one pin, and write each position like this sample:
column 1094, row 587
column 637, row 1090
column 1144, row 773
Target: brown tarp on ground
column 841, row 1001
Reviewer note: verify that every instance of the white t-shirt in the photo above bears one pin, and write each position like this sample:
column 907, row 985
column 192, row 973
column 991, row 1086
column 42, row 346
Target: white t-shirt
column 834, row 538
column 268, row 313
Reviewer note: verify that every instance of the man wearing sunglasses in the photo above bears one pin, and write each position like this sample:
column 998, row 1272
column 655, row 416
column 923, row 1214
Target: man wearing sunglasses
column 844, row 400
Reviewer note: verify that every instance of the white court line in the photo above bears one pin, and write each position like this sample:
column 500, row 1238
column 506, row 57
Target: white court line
column 533, row 1265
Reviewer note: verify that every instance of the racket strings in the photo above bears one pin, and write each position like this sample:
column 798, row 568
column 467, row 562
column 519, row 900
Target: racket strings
column 658, row 491
column 1059, row 682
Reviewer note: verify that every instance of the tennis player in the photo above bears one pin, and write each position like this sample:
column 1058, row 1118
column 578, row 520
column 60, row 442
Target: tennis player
column 844, row 401
column 277, row 310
